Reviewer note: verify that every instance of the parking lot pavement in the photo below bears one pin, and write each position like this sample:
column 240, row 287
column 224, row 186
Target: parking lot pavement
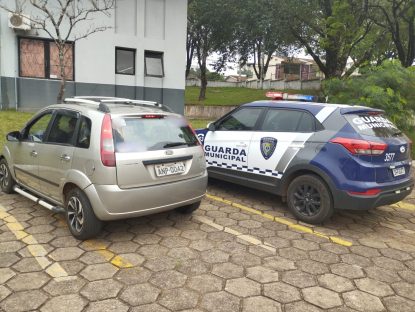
column 241, row 251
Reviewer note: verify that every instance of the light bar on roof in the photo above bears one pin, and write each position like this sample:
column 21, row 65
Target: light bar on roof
column 286, row 96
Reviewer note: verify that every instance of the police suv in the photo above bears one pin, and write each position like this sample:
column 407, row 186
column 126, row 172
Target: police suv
column 319, row 157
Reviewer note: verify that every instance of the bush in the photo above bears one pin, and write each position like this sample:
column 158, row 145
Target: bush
column 389, row 86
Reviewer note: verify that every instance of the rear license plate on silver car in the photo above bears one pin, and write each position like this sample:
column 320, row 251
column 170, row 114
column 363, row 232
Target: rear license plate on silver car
column 398, row 171
column 163, row 170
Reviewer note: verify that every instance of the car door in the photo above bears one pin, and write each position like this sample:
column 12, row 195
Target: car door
column 56, row 155
column 27, row 151
column 226, row 148
column 281, row 136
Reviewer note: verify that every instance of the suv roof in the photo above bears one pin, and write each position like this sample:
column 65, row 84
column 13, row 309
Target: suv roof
column 312, row 107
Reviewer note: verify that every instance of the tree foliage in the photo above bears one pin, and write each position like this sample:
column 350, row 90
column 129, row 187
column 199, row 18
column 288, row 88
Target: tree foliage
column 388, row 87
column 331, row 31
column 261, row 33
column 210, row 26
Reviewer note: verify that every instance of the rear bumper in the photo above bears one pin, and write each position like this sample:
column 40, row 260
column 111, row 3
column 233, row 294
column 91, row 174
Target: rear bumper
column 389, row 195
column 109, row 202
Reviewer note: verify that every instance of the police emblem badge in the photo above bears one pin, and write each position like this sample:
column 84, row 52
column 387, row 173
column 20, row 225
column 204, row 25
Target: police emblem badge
column 268, row 146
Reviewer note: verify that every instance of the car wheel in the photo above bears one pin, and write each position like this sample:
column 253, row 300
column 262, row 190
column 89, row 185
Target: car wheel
column 6, row 180
column 188, row 208
column 309, row 199
column 80, row 217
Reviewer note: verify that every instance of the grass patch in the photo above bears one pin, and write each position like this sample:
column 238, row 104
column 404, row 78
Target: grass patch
column 11, row 121
column 232, row 96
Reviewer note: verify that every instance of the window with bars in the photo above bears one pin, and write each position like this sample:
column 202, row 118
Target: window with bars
column 39, row 58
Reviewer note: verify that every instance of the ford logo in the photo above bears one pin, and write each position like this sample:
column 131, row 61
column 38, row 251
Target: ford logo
column 402, row 149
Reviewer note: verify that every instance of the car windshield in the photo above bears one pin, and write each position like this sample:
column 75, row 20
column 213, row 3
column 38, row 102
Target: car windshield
column 151, row 132
column 373, row 125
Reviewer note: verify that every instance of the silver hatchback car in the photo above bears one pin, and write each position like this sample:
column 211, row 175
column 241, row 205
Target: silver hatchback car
column 99, row 159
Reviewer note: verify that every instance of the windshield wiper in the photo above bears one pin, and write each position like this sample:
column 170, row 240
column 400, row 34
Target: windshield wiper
column 173, row 144
column 397, row 134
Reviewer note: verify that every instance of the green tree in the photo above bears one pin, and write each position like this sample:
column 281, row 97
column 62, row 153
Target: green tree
column 388, row 87
column 397, row 17
column 261, row 33
column 331, row 31
column 211, row 24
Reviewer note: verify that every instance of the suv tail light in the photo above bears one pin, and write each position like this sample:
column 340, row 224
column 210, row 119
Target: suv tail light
column 370, row 192
column 107, row 143
column 361, row 147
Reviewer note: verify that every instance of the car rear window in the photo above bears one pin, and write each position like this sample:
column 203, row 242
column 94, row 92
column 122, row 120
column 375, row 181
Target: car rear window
column 151, row 132
column 373, row 125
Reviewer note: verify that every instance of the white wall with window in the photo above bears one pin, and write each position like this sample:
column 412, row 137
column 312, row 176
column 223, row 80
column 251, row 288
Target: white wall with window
column 140, row 56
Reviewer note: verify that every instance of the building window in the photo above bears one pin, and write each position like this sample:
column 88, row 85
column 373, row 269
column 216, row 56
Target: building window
column 39, row 58
column 125, row 61
column 153, row 63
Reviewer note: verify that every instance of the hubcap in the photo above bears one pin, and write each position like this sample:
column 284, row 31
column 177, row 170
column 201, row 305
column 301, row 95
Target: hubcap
column 75, row 214
column 307, row 200
column 4, row 176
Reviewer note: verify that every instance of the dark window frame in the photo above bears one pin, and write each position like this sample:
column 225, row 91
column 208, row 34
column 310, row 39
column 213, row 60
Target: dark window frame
column 46, row 42
column 134, row 60
column 227, row 116
column 158, row 55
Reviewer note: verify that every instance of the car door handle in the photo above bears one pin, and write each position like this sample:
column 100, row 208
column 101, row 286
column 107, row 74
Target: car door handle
column 65, row 157
column 33, row 153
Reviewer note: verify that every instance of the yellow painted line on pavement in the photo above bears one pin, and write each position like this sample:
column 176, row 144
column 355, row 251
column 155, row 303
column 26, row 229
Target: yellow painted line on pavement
column 114, row 259
column 404, row 205
column 36, row 250
column 102, row 250
column 290, row 224
column 247, row 238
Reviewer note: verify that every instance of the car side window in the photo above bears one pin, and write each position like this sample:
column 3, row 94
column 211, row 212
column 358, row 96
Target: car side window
column 36, row 132
column 84, row 136
column 280, row 120
column 63, row 128
column 242, row 120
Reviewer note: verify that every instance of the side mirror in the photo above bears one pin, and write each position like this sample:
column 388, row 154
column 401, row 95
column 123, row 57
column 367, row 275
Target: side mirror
column 13, row 136
column 211, row 126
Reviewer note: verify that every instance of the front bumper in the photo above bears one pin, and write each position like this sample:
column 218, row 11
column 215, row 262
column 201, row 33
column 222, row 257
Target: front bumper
column 109, row 202
column 389, row 195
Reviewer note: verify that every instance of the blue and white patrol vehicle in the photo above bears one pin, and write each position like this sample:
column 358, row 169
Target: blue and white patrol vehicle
column 319, row 157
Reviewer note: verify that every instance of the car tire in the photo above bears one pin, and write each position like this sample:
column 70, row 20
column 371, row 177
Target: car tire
column 188, row 208
column 80, row 217
column 309, row 199
column 6, row 180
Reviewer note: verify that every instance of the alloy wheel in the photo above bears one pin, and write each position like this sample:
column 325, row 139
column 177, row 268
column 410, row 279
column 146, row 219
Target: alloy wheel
column 4, row 176
column 307, row 200
column 75, row 214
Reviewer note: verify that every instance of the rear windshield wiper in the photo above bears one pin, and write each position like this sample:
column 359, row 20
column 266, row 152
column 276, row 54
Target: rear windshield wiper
column 397, row 133
column 173, row 144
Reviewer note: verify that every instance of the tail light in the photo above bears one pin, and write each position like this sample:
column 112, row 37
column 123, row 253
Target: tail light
column 107, row 143
column 361, row 147
column 370, row 192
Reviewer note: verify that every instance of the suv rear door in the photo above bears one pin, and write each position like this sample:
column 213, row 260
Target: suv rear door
column 155, row 149
column 394, row 163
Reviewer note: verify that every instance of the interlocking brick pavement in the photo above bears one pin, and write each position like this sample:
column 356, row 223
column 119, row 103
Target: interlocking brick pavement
column 223, row 258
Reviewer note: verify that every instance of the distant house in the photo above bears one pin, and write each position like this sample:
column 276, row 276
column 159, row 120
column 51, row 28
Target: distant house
column 236, row 78
column 287, row 68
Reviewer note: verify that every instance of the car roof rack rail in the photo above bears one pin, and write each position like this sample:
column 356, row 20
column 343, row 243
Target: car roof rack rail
column 102, row 101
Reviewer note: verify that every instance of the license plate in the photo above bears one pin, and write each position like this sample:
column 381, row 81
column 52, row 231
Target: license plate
column 398, row 171
column 170, row 169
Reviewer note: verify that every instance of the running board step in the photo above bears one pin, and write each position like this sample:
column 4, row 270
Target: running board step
column 39, row 201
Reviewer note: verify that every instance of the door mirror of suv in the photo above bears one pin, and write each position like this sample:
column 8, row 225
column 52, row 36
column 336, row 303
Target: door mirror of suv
column 211, row 126
column 13, row 136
